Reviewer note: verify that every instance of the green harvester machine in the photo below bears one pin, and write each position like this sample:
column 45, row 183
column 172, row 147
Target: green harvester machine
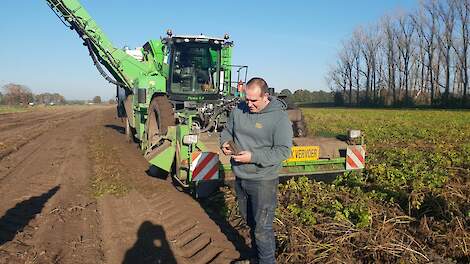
column 175, row 94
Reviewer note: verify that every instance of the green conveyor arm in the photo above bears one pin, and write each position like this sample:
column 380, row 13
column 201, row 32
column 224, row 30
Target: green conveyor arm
column 124, row 68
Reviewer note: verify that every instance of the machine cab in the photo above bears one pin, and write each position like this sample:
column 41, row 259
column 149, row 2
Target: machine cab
column 195, row 72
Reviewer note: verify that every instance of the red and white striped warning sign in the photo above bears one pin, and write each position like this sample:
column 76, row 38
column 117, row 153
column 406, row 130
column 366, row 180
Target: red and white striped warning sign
column 355, row 157
column 205, row 166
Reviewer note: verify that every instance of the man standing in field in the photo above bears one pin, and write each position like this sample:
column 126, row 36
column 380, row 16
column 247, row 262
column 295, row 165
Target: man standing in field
column 261, row 129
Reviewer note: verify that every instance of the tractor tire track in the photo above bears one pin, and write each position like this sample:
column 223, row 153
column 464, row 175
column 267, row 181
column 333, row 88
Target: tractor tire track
column 14, row 139
column 45, row 216
column 49, row 214
column 11, row 121
column 177, row 222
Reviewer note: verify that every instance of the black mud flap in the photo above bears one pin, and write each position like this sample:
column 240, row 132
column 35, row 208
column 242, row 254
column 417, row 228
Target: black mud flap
column 203, row 189
column 121, row 98
column 121, row 111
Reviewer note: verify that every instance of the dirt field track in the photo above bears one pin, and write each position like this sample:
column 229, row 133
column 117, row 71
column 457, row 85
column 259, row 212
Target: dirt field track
column 74, row 191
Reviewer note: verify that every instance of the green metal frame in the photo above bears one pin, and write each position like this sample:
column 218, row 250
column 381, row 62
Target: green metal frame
column 151, row 74
column 305, row 167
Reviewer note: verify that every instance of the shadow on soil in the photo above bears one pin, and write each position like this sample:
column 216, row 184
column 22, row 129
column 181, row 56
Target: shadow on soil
column 16, row 218
column 119, row 129
column 151, row 246
column 154, row 171
column 213, row 205
column 210, row 205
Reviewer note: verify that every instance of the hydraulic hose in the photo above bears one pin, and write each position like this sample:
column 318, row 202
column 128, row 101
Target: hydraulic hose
column 219, row 111
column 99, row 67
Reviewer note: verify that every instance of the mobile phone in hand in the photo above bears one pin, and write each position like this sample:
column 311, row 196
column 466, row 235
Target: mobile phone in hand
column 233, row 147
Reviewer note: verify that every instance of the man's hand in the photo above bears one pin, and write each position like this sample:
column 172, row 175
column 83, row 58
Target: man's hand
column 243, row 157
column 226, row 149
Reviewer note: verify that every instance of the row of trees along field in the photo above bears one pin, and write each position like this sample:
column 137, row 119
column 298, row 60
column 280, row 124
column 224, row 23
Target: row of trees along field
column 17, row 94
column 303, row 96
column 419, row 57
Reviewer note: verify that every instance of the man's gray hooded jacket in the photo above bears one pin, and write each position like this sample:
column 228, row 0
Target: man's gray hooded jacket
column 266, row 134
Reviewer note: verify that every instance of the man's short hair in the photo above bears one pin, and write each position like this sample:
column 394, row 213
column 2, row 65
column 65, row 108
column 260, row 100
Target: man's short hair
column 259, row 82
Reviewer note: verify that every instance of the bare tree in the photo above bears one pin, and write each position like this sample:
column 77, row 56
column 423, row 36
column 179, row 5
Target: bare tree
column 389, row 33
column 446, row 13
column 47, row 98
column 406, row 48
column 347, row 60
column 371, row 42
column 17, row 94
column 356, row 49
column 420, row 59
column 425, row 22
column 336, row 78
column 462, row 9
column 97, row 100
column 417, row 56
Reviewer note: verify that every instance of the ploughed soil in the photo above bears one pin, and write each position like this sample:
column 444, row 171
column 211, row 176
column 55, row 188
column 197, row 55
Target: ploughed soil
column 73, row 190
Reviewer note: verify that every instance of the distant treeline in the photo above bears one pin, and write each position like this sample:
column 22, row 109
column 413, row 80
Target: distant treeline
column 414, row 58
column 17, row 94
column 308, row 97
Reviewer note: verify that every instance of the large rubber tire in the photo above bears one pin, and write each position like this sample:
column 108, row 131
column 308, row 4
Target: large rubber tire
column 160, row 117
column 298, row 123
column 299, row 128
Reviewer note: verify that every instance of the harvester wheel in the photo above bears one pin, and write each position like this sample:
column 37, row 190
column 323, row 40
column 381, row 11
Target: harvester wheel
column 160, row 117
column 299, row 129
column 298, row 122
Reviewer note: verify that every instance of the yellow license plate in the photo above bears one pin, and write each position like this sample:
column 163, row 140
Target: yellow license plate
column 304, row 153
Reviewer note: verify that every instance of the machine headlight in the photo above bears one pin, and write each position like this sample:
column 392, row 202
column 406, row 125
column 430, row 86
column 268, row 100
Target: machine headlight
column 190, row 139
column 354, row 133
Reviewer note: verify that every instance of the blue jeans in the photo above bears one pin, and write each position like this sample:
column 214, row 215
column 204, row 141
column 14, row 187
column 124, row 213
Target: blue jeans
column 257, row 201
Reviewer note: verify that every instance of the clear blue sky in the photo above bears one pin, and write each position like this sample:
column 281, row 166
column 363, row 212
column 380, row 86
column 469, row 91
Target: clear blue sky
column 290, row 43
